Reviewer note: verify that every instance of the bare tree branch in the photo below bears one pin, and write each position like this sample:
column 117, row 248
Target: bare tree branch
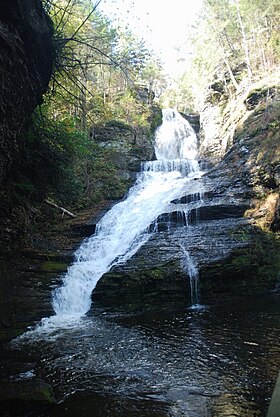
column 64, row 11
column 85, row 20
column 67, row 91
column 116, row 63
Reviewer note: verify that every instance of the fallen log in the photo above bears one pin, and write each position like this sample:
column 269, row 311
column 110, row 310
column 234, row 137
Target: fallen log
column 63, row 210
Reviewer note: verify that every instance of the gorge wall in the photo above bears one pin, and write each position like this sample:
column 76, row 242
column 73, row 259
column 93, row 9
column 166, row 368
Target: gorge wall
column 229, row 232
column 25, row 68
column 242, row 133
column 26, row 62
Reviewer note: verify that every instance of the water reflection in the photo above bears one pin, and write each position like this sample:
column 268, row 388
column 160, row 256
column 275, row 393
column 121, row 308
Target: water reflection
column 215, row 362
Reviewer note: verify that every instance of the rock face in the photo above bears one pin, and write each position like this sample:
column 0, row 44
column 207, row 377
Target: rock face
column 25, row 70
column 233, row 257
column 129, row 146
column 194, row 121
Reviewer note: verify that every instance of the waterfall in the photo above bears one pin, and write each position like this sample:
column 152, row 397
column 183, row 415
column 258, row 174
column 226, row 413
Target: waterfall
column 125, row 228
column 176, row 139
column 192, row 271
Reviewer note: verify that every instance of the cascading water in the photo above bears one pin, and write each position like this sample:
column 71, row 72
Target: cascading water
column 124, row 229
column 192, row 271
column 176, row 139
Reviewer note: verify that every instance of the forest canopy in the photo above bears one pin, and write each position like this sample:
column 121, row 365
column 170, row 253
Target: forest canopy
column 235, row 42
column 101, row 72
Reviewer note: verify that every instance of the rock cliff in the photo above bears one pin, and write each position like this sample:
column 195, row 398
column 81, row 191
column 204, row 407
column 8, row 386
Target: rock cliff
column 128, row 146
column 26, row 57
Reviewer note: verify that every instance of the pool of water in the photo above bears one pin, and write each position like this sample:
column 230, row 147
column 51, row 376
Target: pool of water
column 209, row 361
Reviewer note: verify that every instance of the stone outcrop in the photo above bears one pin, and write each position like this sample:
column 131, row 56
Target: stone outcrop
column 194, row 121
column 26, row 57
column 129, row 146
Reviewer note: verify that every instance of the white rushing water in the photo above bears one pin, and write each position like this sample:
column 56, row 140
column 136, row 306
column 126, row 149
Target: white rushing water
column 124, row 229
column 192, row 271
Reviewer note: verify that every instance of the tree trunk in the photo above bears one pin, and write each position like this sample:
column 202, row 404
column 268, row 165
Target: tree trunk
column 245, row 42
column 233, row 80
column 63, row 210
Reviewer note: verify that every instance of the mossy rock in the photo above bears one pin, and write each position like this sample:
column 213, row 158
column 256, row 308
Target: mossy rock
column 252, row 270
column 52, row 266
column 162, row 287
column 118, row 124
column 155, row 119
column 27, row 391
column 258, row 95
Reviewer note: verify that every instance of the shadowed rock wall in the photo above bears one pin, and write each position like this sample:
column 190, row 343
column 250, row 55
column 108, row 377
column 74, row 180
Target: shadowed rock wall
column 26, row 57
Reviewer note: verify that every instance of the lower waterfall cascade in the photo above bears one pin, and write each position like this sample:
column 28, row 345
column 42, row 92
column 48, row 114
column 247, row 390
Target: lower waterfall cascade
column 174, row 352
column 125, row 228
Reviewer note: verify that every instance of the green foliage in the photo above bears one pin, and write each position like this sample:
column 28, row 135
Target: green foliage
column 155, row 118
column 48, row 160
column 97, row 75
column 101, row 177
column 63, row 163
column 235, row 42
column 130, row 111
column 180, row 94
column 98, row 69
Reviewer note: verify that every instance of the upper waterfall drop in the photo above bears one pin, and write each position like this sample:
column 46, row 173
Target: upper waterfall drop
column 175, row 138
column 125, row 228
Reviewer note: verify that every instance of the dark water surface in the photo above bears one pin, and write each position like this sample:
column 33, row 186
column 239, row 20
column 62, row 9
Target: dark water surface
column 216, row 361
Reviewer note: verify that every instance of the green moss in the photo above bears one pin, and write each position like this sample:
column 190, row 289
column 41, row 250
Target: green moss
column 241, row 260
column 143, row 289
column 51, row 266
column 46, row 394
column 31, row 391
column 251, row 270
column 157, row 273
column 155, row 119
